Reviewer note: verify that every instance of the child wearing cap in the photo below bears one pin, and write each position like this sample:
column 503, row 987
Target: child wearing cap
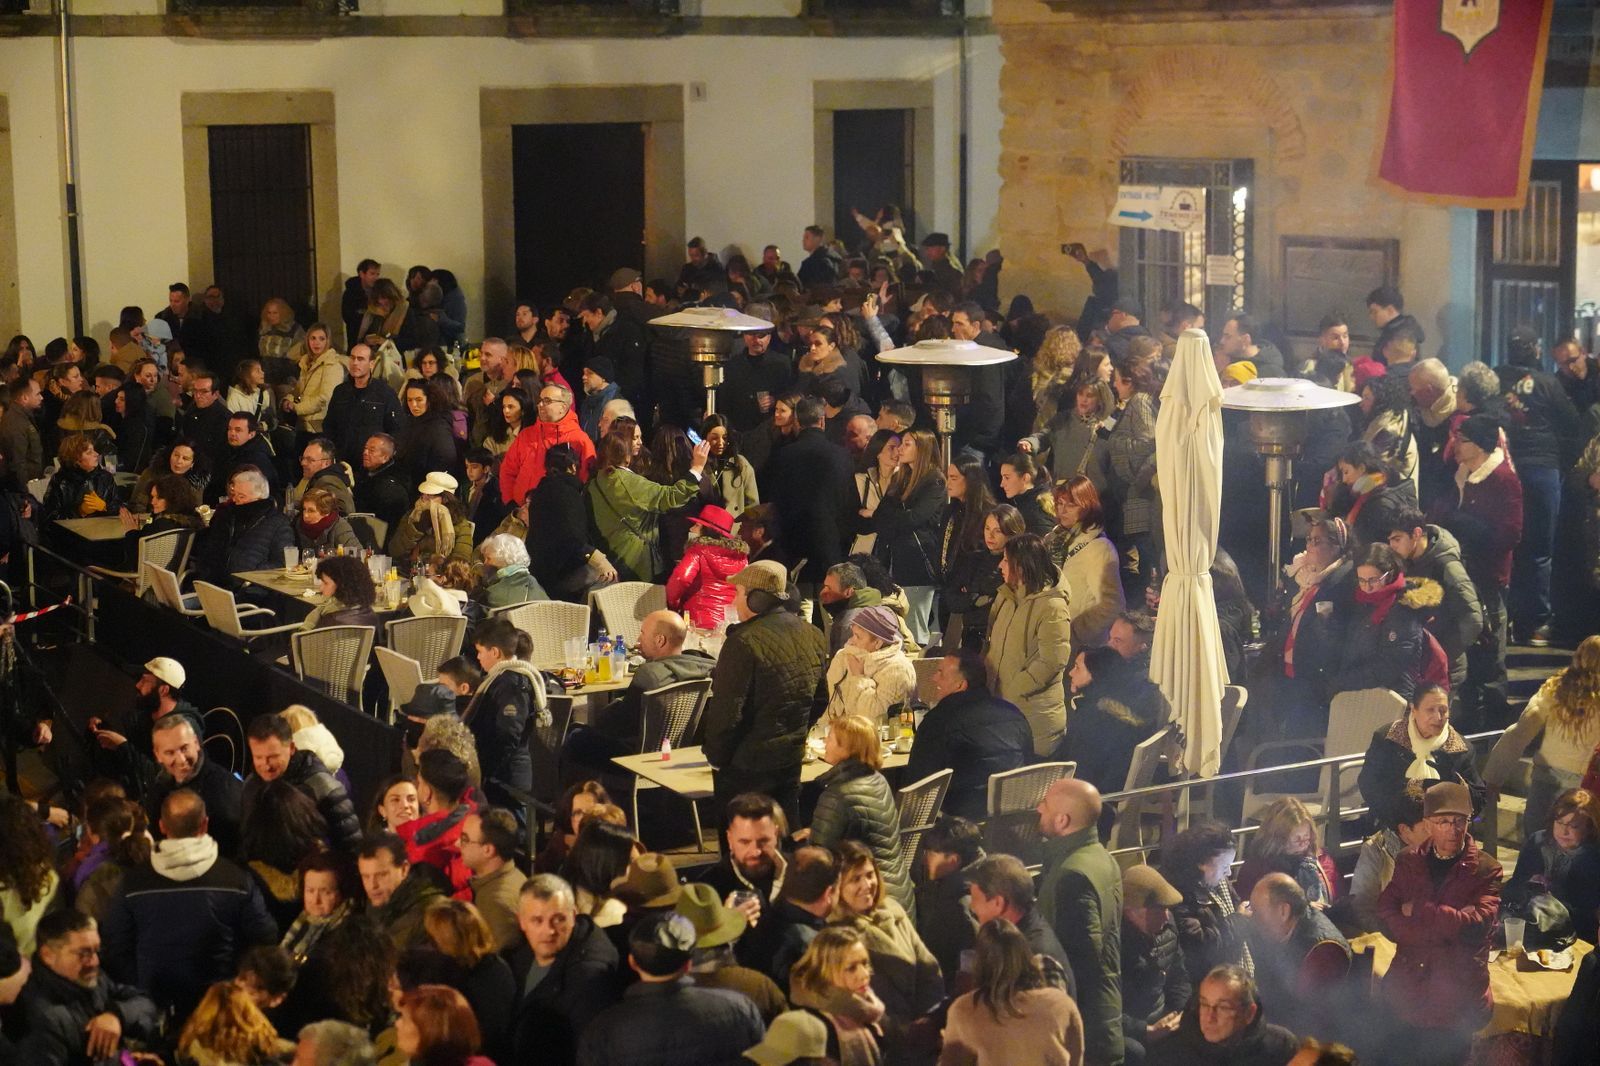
column 698, row 585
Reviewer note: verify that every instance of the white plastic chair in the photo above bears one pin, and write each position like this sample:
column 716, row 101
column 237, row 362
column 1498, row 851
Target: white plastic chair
column 429, row 639
column 334, row 658
column 1352, row 719
column 224, row 614
column 623, row 607
column 1015, row 791
column 551, row 623
column 370, row 530
column 168, row 550
column 164, row 585
column 402, row 674
column 1147, row 754
column 671, row 713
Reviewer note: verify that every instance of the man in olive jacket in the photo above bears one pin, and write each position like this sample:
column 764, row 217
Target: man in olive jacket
column 1080, row 895
column 762, row 691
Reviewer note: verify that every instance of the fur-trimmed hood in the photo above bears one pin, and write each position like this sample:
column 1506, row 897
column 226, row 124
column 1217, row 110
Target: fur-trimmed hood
column 1422, row 594
column 1454, row 743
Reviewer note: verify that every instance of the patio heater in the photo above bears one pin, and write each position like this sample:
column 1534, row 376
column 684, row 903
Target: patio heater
column 1277, row 409
column 710, row 333
column 946, row 367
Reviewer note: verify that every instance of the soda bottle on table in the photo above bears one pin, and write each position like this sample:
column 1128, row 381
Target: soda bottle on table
column 603, row 658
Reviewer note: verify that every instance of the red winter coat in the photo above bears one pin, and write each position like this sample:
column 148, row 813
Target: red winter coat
column 523, row 466
column 699, row 583
column 1440, row 971
column 1487, row 519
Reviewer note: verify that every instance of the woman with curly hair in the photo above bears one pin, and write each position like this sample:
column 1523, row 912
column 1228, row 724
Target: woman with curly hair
column 347, row 977
column 1197, row 863
column 1566, row 711
column 28, row 878
column 228, row 1029
column 450, row 733
column 1053, row 367
column 81, row 487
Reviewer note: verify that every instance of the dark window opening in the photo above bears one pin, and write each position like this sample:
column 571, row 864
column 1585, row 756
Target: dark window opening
column 263, row 243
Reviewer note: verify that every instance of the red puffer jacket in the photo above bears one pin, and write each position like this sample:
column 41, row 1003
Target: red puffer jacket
column 699, row 583
column 1440, row 971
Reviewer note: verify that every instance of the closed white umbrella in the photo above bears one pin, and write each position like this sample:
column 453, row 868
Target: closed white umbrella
column 1186, row 658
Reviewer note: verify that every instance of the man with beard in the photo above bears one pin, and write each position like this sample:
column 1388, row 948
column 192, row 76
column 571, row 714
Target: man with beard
column 74, row 1012
column 753, row 866
column 129, row 757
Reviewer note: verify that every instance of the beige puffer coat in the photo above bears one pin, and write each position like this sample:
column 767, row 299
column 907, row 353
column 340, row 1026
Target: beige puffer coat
column 1030, row 638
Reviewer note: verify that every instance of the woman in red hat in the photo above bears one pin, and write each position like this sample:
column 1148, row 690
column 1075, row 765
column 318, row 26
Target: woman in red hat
column 699, row 583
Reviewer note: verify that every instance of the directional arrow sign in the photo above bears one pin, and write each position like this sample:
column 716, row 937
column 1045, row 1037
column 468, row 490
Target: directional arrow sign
column 1179, row 208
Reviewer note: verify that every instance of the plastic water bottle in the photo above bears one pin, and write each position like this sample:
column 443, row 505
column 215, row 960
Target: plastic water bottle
column 619, row 660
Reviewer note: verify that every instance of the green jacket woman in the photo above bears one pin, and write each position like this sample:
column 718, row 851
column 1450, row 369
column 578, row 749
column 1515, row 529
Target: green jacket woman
column 626, row 508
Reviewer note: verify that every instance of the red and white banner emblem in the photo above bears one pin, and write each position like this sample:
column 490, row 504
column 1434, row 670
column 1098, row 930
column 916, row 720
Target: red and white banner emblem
column 1469, row 21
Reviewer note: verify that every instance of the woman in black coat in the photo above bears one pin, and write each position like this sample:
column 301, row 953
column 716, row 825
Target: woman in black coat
column 907, row 523
column 81, row 487
column 426, row 442
column 1383, row 643
column 1423, row 746
column 561, row 554
column 127, row 410
column 1116, row 707
column 1370, row 495
column 971, row 572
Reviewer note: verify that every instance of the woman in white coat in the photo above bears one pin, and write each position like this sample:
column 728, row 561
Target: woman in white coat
column 1087, row 561
column 871, row 674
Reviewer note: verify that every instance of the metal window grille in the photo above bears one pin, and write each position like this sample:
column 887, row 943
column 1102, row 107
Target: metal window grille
column 1162, row 268
column 263, row 242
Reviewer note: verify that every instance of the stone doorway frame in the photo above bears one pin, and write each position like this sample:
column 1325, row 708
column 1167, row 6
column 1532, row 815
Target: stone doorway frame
column 915, row 96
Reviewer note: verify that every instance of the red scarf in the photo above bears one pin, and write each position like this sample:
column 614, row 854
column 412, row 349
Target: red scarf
column 1381, row 599
column 319, row 527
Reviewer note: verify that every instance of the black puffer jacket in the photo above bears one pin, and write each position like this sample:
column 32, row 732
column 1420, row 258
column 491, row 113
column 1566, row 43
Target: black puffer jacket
column 976, row 735
column 1155, row 981
column 246, row 536
column 858, row 804
column 64, row 498
column 1388, row 654
column 306, row 773
column 762, row 691
column 58, row 1012
column 908, row 533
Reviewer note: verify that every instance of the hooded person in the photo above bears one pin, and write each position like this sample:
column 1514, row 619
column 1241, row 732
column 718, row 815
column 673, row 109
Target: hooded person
column 698, row 586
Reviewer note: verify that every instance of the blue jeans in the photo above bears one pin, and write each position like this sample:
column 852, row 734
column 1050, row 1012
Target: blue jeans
column 1530, row 581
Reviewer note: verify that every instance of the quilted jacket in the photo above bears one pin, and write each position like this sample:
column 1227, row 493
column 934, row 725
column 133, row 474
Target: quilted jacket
column 1029, row 639
column 905, row 974
column 762, row 691
column 699, row 583
column 858, row 804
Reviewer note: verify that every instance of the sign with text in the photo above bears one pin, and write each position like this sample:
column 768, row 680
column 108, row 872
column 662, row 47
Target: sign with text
column 1178, row 208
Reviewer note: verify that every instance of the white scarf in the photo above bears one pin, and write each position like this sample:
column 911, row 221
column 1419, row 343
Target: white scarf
column 1420, row 770
column 541, row 708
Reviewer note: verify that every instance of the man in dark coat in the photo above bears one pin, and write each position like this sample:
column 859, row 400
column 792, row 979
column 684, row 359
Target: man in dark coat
column 74, row 1013
column 1155, row 981
column 707, row 1025
column 185, row 766
column 1387, row 309
column 944, row 914
column 360, row 406
column 1301, row 959
column 786, row 927
column 273, row 756
column 821, row 266
column 183, row 919
column 754, row 368
column 355, row 298
column 970, row 731
column 382, row 489
column 761, row 692
column 566, row 974
column 622, row 342
column 810, row 482
column 205, row 420
column 1225, row 1026
column 561, row 553
column 246, row 447
column 398, row 893
column 1125, row 323
column 1428, row 551
column 1001, row 887
column 1080, row 893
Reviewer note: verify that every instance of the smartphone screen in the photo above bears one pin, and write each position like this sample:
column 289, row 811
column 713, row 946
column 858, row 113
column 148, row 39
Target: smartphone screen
column 694, row 438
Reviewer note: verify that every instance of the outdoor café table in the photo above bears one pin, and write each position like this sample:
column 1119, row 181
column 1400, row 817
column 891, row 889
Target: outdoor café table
column 281, row 581
column 1526, row 999
column 98, row 528
column 689, row 774
column 587, row 698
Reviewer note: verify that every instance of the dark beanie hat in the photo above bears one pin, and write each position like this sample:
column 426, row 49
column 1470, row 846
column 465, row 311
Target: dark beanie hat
column 1482, row 431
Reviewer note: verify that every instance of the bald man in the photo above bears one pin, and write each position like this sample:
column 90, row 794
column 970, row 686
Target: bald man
column 614, row 729
column 1301, row 959
column 1080, row 895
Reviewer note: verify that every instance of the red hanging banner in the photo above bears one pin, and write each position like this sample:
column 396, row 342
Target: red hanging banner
column 1464, row 100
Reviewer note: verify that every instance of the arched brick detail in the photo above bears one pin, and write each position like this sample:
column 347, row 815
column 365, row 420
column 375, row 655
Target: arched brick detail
column 1176, row 86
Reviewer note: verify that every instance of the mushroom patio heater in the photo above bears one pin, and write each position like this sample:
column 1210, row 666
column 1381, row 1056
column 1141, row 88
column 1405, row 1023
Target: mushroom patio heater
column 710, row 333
column 1277, row 409
column 946, row 367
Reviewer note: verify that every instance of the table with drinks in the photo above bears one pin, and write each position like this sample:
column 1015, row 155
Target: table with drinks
column 687, row 772
column 1529, row 988
column 297, row 579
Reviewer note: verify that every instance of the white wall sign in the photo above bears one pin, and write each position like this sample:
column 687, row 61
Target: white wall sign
column 1178, row 208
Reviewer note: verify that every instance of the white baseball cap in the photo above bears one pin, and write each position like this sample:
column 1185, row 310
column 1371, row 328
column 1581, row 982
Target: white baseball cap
column 168, row 671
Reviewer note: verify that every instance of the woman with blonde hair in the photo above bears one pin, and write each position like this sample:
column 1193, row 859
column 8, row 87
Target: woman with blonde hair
column 906, row 976
column 451, row 733
column 1566, row 712
column 858, row 803
column 907, row 523
column 322, row 369
column 1053, row 367
column 834, row 977
column 276, row 338
column 1014, row 1013
column 457, row 929
column 228, row 1029
column 1288, row 842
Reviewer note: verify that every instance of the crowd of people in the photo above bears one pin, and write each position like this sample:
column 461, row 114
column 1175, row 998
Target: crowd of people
column 163, row 907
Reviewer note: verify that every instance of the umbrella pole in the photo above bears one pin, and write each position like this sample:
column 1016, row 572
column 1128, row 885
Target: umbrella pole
column 1280, row 480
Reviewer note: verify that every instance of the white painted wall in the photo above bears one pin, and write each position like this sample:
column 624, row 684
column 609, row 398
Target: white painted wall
column 409, row 159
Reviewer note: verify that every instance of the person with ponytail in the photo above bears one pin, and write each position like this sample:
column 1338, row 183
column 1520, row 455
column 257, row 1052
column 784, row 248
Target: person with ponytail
column 509, row 702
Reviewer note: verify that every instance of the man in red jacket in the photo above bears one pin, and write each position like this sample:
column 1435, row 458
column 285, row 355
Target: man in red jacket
column 1440, row 909
column 523, row 466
